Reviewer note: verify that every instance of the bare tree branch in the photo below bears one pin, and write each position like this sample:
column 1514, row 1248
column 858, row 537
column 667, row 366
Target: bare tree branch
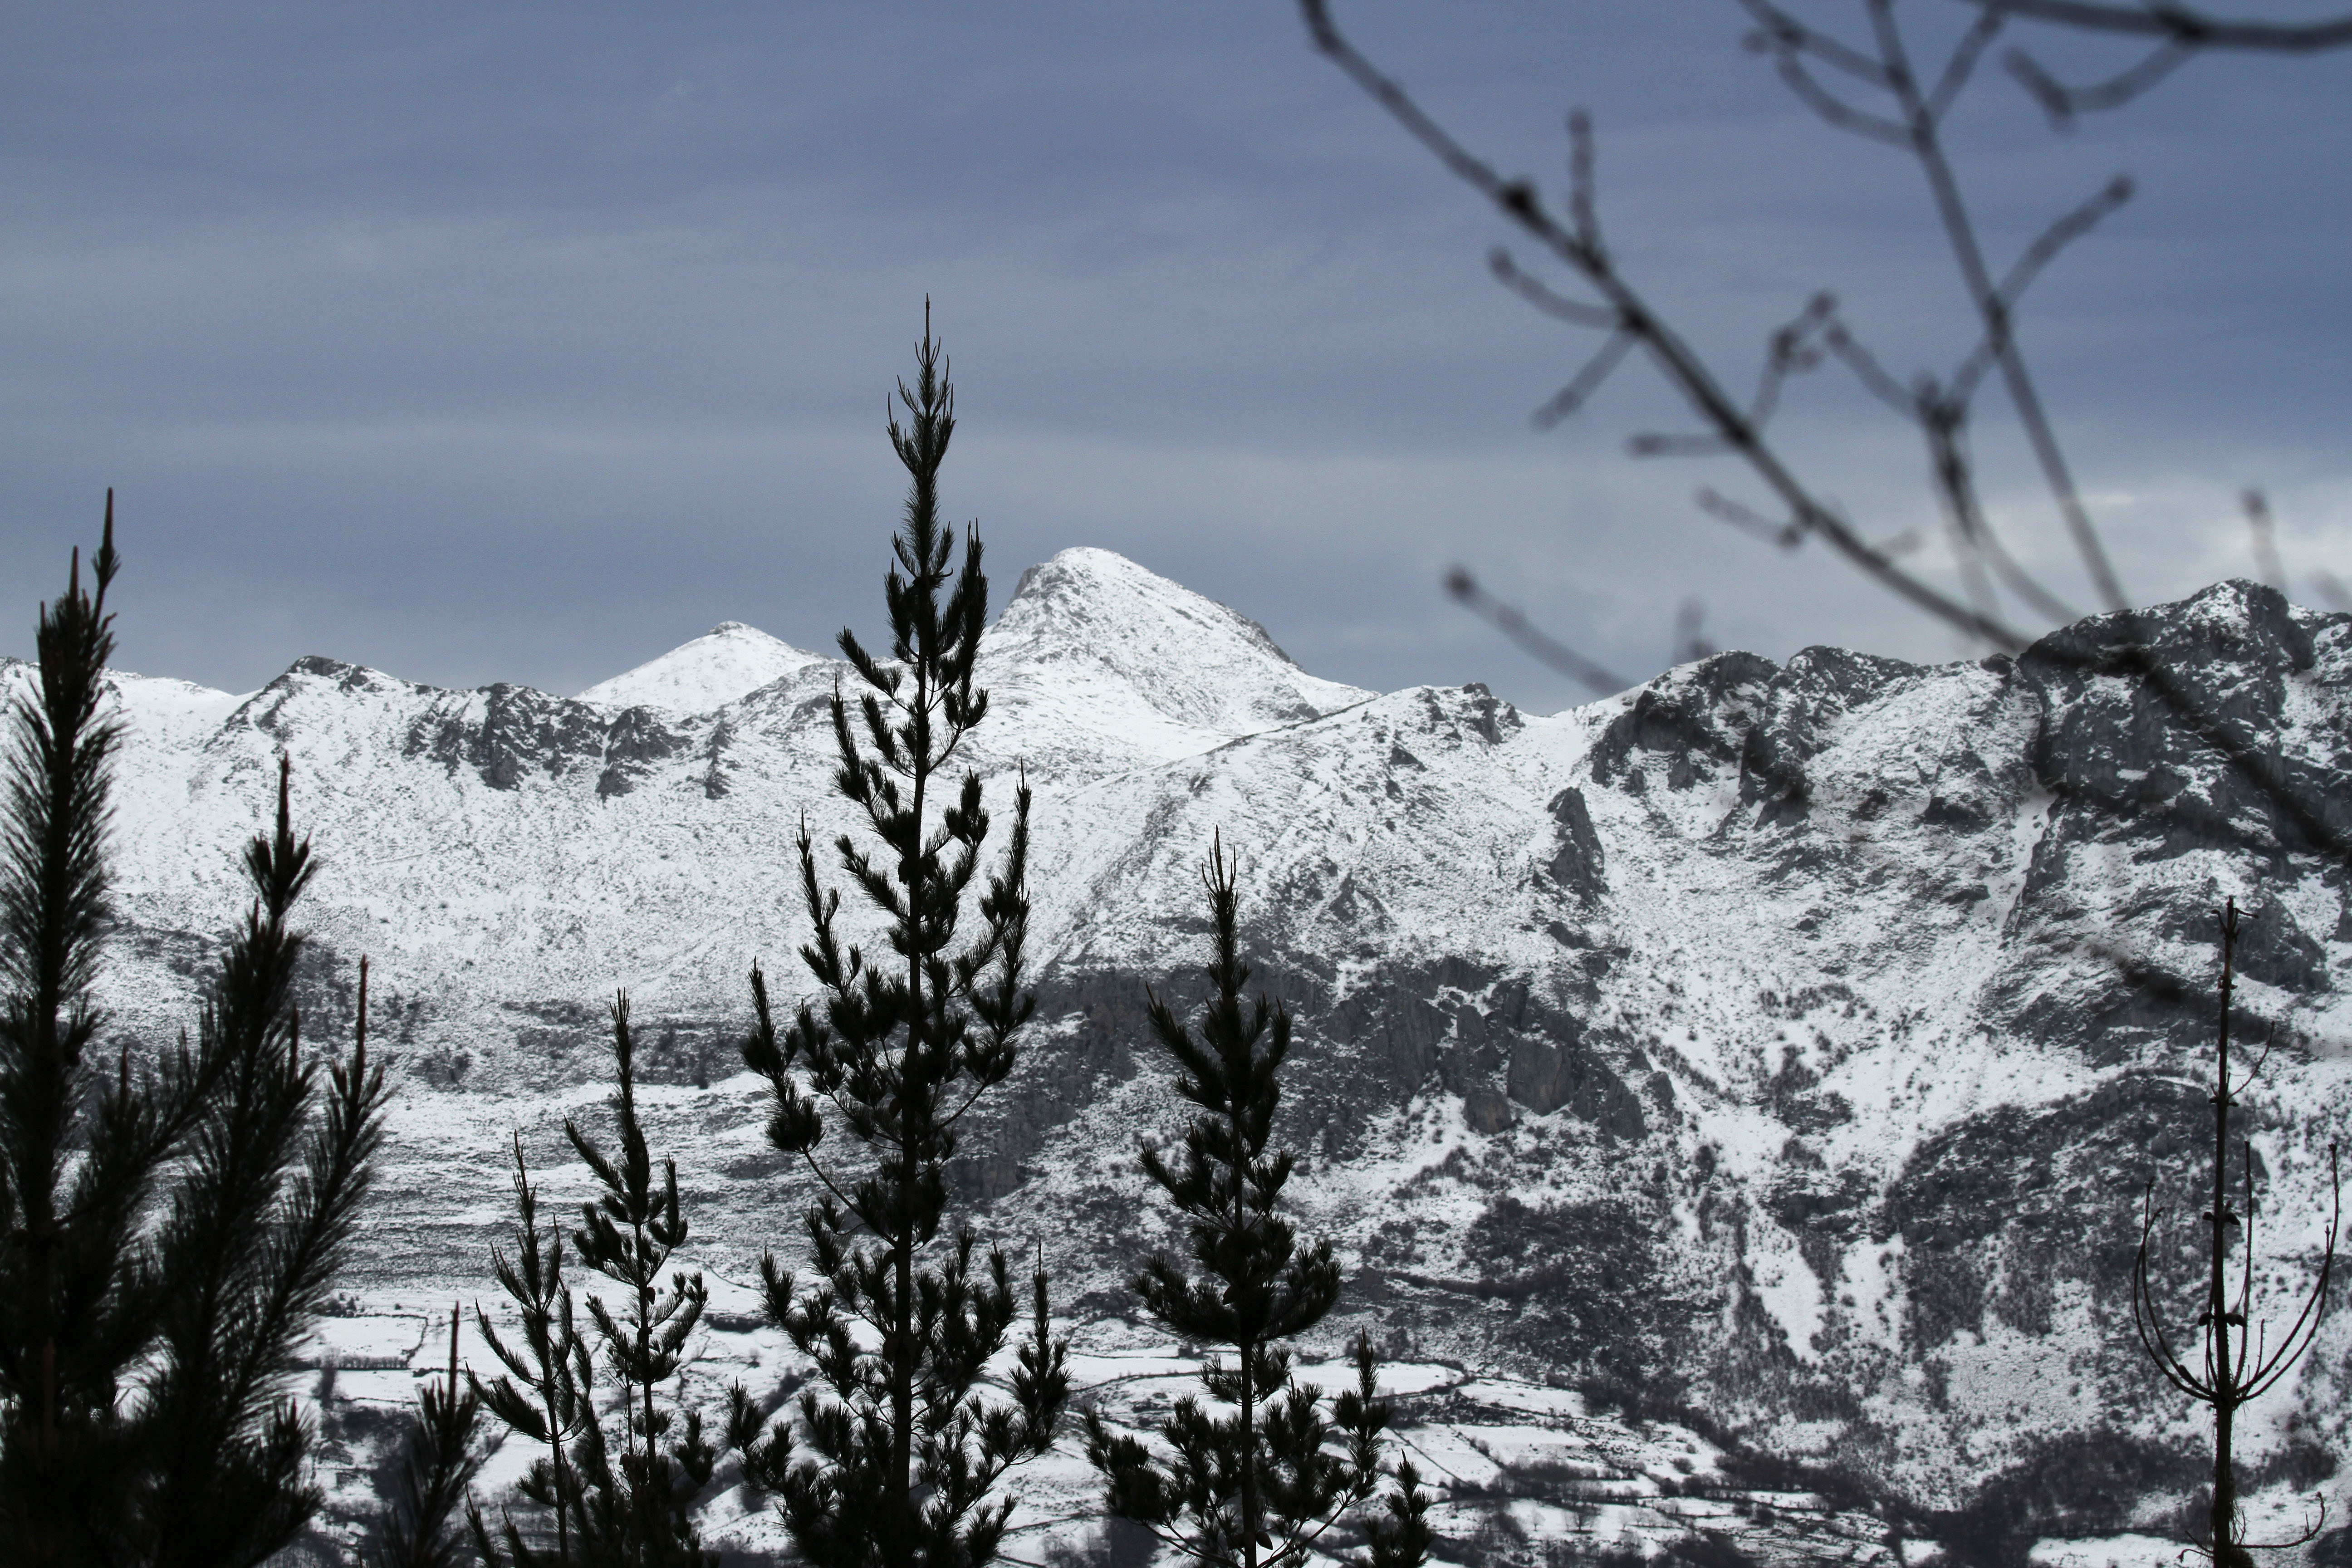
column 1582, row 208
column 2182, row 23
column 1941, row 414
column 1791, row 351
column 1690, row 633
column 1875, row 377
column 2045, row 249
column 1834, row 109
column 1677, row 361
column 1785, row 535
column 1974, row 542
column 1667, row 444
column 1996, row 305
column 1993, row 309
column 2062, row 103
column 1779, row 29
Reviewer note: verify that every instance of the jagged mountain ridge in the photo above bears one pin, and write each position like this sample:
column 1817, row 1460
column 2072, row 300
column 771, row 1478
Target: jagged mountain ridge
column 1732, row 1040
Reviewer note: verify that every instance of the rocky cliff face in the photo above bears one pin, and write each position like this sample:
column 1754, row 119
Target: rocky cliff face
column 1774, row 1054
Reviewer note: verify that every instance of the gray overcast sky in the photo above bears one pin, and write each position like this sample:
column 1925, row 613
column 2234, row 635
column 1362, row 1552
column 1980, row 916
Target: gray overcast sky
column 524, row 341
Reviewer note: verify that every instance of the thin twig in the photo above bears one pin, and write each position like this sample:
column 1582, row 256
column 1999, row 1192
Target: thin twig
column 2062, row 103
column 1777, row 28
column 1832, row 110
column 2029, row 266
column 1519, row 629
column 1533, row 290
column 1963, row 63
column 1666, row 443
column 1587, row 382
column 1581, row 206
column 2182, row 22
column 1791, row 351
column 1785, row 535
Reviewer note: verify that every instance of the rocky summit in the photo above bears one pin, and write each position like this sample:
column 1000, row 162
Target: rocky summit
column 1733, row 1100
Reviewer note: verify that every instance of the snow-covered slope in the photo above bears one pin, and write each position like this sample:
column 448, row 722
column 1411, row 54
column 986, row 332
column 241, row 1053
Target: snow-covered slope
column 723, row 664
column 1769, row 1050
column 1095, row 652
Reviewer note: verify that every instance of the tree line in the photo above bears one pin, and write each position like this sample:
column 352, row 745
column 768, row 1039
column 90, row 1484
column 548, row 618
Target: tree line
column 178, row 1218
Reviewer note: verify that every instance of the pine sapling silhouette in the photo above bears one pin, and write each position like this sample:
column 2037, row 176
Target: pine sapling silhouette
column 143, row 1408
column 547, row 1394
column 417, row 1528
column 2231, row 1375
column 1260, row 1486
column 1399, row 1536
column 259, row 1223
column 82, row 1142
column 629, row 1236
column 626, row 1499
column 894, row 1468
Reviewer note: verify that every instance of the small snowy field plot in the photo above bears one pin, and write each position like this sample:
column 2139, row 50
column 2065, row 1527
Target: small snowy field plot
column 1519, row 1472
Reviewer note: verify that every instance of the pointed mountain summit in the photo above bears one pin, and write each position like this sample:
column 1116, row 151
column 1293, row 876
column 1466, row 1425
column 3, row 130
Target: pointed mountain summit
column 728, row 661
column 1123, row 653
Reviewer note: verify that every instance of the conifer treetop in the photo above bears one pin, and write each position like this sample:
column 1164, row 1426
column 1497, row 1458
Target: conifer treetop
column 1263, row 1472
column 894, row 1468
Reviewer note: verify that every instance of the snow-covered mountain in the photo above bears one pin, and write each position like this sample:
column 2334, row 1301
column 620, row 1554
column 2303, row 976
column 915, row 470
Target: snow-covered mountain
column 1756, row 1072
column 723, row 664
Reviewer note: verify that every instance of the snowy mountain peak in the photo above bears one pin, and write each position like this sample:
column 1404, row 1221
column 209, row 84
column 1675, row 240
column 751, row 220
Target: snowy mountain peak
column 1084, row 586
column 1124, row 649
column 728, row 661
